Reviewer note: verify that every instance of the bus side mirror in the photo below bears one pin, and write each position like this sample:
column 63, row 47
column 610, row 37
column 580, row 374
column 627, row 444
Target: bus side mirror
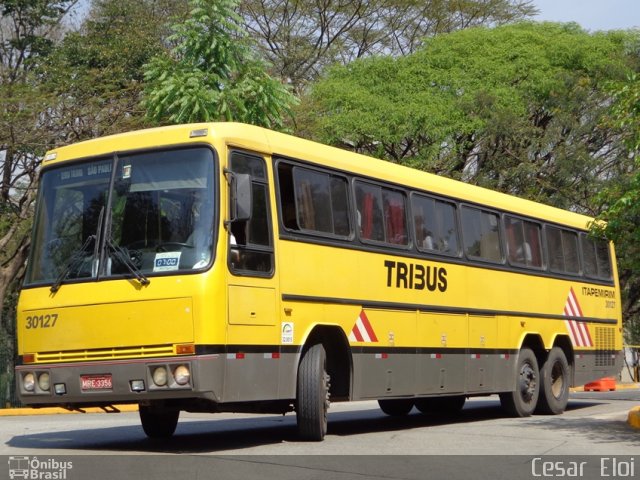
column 240, row 201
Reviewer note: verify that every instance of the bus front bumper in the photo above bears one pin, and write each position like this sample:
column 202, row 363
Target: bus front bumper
column 122, row 381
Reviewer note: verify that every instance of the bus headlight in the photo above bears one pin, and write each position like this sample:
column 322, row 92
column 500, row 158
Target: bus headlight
column 182, row 375
column 44, row 381
column 29, row 382
column 160, row 376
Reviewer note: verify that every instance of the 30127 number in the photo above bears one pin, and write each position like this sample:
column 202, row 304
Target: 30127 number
column 41, row 321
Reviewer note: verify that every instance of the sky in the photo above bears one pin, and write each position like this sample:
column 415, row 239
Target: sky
column 593, row 15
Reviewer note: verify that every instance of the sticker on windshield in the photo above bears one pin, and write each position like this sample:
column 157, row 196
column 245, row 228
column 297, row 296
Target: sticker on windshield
column 166, row 261
column 126, row 171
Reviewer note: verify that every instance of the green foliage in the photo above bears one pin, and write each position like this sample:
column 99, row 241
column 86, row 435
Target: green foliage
column 27, row 32
column 211, row 74
column 515, row 108
column 300, row 39
column 57, row 87
column 621, row 205
column 525, row 109
column 96, row 72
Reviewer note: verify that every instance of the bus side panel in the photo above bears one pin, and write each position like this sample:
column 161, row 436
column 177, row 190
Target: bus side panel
column 394, row 372
column 442, row 363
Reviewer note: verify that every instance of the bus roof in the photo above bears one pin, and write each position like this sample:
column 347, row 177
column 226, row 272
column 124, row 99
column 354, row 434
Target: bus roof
column 270, row 142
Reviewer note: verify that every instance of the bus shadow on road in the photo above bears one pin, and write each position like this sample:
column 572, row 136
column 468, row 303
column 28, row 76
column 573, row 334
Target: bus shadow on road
column 206, row 435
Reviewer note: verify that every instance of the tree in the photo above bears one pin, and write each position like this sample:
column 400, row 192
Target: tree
column 620, row 218
column 212, row 74
column 301, row 38
column 516, row 108
column 522, row 109
column 28, row 29
column 61, row 86
column 96, row 72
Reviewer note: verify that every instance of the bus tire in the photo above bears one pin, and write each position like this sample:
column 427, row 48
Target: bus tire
column 523, row 400
column 396, row 407
column 554, row 391
column 158, row 423
column 312, row 400
column 441, row 405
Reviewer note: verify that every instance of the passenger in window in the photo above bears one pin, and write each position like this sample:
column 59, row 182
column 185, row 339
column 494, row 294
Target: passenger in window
column 428, row 242
column 523, row 254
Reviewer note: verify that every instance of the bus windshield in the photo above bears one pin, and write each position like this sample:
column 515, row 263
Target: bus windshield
column 144, row 214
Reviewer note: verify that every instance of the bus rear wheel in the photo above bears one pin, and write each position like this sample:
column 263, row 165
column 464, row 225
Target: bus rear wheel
column 554, row 375
column 441, row 405
column 158, row 423
column 396, row 407
column 313, row 394
column 523, row 400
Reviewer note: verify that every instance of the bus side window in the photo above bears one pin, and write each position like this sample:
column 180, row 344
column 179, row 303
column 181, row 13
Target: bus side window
column 435, row 225
column 321, row 202
column 481, row 235
column 523, row 242
column 381, row 214
column 250, row 242
column 595, row 254
column 287, row 198
column 563, row 250
column 369, row 207
column 313, row 201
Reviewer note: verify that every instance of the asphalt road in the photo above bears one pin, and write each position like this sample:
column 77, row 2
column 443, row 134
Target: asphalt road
column 361, row 442
column 594, row 424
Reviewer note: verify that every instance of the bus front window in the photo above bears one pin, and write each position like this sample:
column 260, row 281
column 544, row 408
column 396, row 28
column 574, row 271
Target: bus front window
column 71, row 205
column 159, row 218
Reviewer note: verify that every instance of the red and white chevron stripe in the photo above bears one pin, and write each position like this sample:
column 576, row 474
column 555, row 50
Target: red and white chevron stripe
column 362, row 330
column 578, row 331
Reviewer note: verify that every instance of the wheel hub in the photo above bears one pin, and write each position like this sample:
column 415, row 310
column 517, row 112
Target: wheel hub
column 528, row 382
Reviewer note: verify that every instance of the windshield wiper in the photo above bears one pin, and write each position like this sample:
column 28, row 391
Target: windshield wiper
column 74, row 262
column 123, row 256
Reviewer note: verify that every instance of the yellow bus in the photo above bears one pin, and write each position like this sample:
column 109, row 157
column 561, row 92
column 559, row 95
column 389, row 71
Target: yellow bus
column 223, row 267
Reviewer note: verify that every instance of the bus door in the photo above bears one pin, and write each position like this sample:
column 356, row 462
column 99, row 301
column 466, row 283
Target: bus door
column 252, row 331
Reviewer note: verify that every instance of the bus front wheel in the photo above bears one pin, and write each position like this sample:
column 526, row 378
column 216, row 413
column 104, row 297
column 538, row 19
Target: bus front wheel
column 554, row 391
column 523, row 400
column 313, row 394
column 158, row 423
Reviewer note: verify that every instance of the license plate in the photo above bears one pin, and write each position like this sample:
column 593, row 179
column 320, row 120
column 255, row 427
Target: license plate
column 96, row 382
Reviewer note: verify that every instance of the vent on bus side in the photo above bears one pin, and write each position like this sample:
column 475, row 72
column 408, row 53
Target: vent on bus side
column 605, row 346
column 105, row 354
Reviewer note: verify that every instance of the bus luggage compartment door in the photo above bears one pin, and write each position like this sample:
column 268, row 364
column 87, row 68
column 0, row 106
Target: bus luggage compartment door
column 253, row 358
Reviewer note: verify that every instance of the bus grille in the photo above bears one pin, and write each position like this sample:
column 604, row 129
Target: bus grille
column 605, row 346
column 105, row 354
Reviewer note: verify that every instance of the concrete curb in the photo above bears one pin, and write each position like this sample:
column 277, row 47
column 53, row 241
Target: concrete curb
column 12, row 412
column 633, row 418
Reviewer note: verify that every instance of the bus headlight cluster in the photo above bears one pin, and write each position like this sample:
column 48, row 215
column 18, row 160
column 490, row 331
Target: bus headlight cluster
column 160, row 376
column 182, row 374
column 170, row 376
column 36, row 382
column 29, row 382
column 43, row 381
